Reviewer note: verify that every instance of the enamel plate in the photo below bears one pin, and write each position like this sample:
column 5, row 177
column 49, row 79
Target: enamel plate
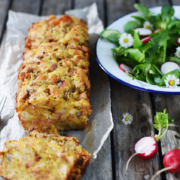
column 106, row 61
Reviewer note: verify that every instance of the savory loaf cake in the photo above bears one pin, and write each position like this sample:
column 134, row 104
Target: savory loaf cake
column 53, row 80
column 43, row 156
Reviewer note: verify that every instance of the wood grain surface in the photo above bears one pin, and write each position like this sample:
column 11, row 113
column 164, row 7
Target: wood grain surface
column 55, row 7
column 137, row 103
column 30, row 6
column 153, row 3
column 4, row 7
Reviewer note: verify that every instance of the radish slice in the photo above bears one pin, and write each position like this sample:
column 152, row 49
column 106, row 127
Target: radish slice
column 146, row 147
column 178, row 40
column 145, row 40
column 126, row 68
column 143, row 32
column 169, row 66
column 157, row 30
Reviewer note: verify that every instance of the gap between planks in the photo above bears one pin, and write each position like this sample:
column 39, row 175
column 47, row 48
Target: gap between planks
column 5, row 20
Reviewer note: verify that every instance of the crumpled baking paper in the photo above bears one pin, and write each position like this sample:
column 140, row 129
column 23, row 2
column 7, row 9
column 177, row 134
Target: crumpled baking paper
column 100, row 124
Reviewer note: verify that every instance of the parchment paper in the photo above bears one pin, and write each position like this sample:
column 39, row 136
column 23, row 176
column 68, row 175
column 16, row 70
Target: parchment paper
column 100, row 123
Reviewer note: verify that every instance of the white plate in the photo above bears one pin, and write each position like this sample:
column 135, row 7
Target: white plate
column 106, row 61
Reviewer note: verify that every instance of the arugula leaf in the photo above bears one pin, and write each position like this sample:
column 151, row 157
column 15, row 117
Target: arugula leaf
column 160, row 55
column 111, row 35
column 153, row 76
column 161, row 121
column 167, row 10
column 173, row 22
column 162, row 20
column 135, row 54
column 153, row 79
column 157, row 69
column 128, row 61
column 119, row 51
column 173, row 34
column 137, row 42
column 156, row 43
column 139, row 70
column 145, row 11
column 145, row 47
column 140, row 19
column 132, row 53
column 131, row 25
column 175, row 72
column 139, row 67
column 177, row 23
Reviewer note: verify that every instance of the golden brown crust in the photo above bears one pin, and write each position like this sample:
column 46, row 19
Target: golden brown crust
column 44, row 156
column 53, row 80
column 66, row 30
column 70, row 144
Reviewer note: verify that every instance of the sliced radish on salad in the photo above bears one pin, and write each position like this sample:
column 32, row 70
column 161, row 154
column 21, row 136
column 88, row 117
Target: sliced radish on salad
column 178, row 40
column 157, row 30
column 143, row 32
column 145, row 40
column 147, row 147
column 126, row 68
column 169, row 66
column 171, row 162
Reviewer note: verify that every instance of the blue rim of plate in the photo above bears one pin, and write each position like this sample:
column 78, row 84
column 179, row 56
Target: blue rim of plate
column 123, row 82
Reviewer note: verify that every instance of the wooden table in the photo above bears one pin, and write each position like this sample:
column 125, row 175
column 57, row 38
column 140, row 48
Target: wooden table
column 111, row 160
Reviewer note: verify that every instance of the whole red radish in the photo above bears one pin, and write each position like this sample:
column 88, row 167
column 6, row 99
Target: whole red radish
column 147, row 147
column 171, row 162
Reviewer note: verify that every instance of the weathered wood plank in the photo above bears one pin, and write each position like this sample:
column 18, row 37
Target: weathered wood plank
column 118, row 8
column 55, row 6
column 100, row 5
column 153, row 3
column 30, row 6
column 4, row 4
column 172, row 138
column 101, row 168
column 170, row 141
column 175, row 2
column 137, row 103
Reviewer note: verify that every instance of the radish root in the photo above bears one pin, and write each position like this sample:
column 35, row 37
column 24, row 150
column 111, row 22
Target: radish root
column 128, row 162
column 165, row 169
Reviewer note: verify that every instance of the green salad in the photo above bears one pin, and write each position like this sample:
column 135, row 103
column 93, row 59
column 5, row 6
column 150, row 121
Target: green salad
column 149, row 46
